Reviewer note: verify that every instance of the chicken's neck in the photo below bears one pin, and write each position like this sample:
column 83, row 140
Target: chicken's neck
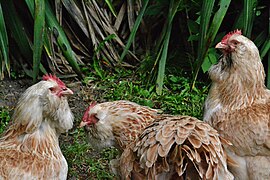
column 237, row 82
column 43, row 141
column 235, row 87
column 236, row 96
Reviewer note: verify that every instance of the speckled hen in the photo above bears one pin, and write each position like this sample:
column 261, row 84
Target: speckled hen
column 238, row 106
column 176, row 147
column 29, row 149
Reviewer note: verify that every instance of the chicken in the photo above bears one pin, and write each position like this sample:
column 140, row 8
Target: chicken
column 238, row 106
column 176, row 147
column 121, row 123
column 116, row 123
column 29, row 149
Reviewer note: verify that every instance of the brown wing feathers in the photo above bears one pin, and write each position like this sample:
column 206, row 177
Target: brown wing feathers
column 174, row 144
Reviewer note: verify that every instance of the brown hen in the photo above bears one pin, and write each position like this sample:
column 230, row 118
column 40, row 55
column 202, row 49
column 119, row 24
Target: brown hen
column 176, row 147
column 116, row 123
column 238, row 106
column 29, row 149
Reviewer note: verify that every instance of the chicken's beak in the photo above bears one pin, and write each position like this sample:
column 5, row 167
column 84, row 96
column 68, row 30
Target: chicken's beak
column 82, row 124
column 221, row 45
column 67, row 91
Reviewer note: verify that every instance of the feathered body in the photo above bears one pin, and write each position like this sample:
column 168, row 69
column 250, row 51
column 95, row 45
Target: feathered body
column 176, row 147
column 29, row 149
column 238, row 106
column 116, row 123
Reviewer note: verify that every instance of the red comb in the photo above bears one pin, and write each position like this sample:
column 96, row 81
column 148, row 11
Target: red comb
column 85, row 116
column 227, row 36
column 53, row 78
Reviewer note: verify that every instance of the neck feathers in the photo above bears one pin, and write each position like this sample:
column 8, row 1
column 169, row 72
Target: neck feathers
column 238, row 85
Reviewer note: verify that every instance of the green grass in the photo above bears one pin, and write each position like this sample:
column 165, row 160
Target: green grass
column 176, row 98
column 83, row 161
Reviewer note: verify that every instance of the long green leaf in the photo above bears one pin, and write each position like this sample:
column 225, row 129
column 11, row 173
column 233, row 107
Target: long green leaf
column 31, row 7
column 265, row 48
column 111, row 7
column 260, row 39
column 3, row 46
column 134, row 30
column 164, row 48
column 217, row 20
column 61, row 39
column 162, row 62
column 16, row 28
column 207, row 9
column 47, row 44
column 39, row 25
column 248, row 13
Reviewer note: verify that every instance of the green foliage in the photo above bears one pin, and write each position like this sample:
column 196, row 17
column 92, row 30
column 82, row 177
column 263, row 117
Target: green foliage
column 30, row 49
column 208, row 31
column 4, row 119
column 125, row 34
column 177, row 98
column 180, row 99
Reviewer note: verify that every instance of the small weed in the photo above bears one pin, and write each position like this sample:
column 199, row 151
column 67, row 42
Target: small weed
column 4, row 119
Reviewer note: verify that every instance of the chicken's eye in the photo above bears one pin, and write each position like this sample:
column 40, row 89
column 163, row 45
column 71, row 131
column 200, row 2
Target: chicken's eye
column 52, row 89
column 94, row 118
column 235, row 42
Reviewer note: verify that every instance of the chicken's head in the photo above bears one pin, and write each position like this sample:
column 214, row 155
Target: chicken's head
column 58, row 87
column 98, row 127
column 238, row 47
column 240, row 59
column 227, row 44
column 89, row 117
column 45, row 101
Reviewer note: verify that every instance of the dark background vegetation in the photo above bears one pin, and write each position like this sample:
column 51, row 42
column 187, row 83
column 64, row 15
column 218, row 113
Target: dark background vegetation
column 155, row 53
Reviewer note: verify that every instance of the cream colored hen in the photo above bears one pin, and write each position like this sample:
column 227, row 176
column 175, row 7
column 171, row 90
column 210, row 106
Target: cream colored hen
column 176, row 147
column 238, row 106
column 29, row 149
